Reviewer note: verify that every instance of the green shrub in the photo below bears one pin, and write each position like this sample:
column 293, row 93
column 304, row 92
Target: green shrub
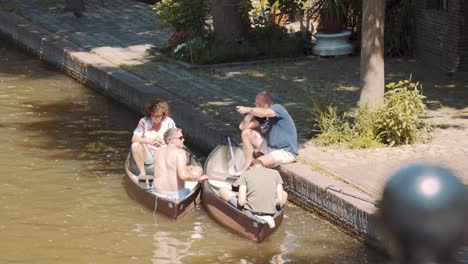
column 184, row 15
column 193, row 39
column 398, row 121
column 361, row 123
column 268, row 42
column 352, row 129
column 331, row 125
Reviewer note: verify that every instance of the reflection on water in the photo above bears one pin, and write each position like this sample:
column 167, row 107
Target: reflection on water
column 62, row 196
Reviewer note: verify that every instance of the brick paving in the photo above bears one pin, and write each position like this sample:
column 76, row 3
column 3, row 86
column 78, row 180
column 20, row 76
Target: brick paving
column 122, row 31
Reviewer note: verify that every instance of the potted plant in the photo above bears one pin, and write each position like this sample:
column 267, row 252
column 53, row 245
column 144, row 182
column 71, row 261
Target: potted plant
column 331, row 15
column 331, row 38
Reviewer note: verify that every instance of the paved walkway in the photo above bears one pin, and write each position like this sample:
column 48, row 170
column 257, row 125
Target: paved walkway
column 121, row 31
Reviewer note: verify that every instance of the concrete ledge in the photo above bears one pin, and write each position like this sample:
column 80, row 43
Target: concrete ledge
column 308, row 188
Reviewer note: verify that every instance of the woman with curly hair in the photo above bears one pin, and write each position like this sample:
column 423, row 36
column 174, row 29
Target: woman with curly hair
column 149, row 134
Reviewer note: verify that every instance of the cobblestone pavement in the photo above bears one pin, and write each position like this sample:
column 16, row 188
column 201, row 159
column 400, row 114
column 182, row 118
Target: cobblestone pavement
column 121, row 31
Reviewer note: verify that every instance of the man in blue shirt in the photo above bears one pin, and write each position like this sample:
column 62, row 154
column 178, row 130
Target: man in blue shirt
column 267, row 128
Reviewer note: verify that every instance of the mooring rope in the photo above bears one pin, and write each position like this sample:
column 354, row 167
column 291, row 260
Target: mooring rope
column 155, row 204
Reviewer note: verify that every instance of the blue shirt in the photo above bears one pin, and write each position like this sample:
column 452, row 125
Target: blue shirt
column 279, row 131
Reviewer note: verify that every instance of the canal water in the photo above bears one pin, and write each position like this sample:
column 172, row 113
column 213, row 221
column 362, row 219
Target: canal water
column 62, row 192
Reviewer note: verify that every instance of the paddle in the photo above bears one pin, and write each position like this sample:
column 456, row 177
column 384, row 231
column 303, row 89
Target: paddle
column 232, row 153
column 220, row 176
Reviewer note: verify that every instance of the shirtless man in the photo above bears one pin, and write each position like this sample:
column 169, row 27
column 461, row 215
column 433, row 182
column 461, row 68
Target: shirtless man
column 267, row 128
column 170, row 167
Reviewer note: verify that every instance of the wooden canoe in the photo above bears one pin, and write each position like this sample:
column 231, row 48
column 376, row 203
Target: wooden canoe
column 175, row 209
column 217, row 166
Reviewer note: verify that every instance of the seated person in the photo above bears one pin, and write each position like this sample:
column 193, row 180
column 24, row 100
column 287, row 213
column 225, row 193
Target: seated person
column 148, row 136
column 171, row 169
column 267, row 128
column 260, row 191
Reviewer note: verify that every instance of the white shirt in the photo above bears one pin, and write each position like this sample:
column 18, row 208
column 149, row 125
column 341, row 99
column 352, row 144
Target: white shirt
column 145, row 129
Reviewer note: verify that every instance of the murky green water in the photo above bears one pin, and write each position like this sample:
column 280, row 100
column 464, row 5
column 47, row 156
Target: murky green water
column 63, row 199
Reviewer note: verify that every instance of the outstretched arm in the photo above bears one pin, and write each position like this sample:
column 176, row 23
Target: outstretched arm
column 188, row 173
column 249, row 122
column 256, row 111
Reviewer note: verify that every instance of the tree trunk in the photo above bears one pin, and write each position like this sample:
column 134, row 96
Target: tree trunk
column 228, row 22
column 372, row 53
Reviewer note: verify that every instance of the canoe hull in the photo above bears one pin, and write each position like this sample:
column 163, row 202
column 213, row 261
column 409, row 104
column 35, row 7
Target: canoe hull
column 234, row 220
column 172, row 209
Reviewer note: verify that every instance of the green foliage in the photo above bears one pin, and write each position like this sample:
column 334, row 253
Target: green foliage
column 333, row 128
column 245, row 7
column 399, row 29
column 267, row 42
column 184, row 15
column 289, row 7
column 193, row 40
column 361, row 128
column 353, row 129
column 265, row 10
column 397, row 122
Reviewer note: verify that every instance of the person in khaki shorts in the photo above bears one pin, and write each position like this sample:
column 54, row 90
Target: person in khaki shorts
column 267, row 128
column 260, row 192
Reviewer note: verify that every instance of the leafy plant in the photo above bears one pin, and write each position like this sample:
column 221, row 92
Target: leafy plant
column 194, row 42
column 275, row 11
column 352, row 129
column 245, row 7
column 184, row 15
column 267, row 42
column 397, row 122
column 362, row 129
column 331, row 125
column 287, row 7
